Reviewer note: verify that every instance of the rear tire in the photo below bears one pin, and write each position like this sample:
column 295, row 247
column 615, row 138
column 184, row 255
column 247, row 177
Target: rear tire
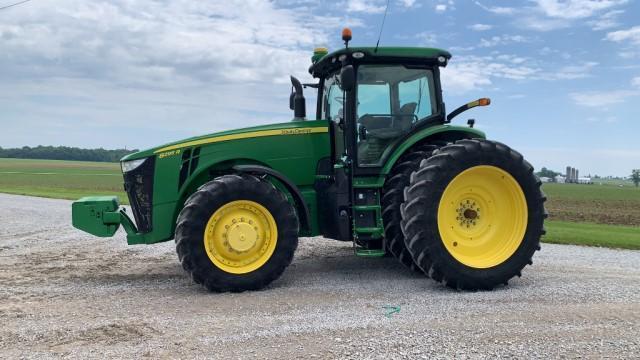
column 452, row 239
column 392, row 198
column 236, row 233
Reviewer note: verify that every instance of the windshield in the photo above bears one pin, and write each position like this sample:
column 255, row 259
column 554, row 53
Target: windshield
column 392, row 99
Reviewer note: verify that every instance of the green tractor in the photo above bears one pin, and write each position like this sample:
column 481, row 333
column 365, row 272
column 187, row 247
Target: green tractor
column 379, row 165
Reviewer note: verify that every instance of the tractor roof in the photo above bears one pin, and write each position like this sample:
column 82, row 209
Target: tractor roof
column 331, row 61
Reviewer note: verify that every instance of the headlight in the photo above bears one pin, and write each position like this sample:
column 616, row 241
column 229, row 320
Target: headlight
column 131, row 165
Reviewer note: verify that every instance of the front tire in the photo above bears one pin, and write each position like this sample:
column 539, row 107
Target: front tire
column 473, row 214
column 236, row 233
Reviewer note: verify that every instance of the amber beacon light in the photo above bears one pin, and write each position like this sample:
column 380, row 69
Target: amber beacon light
column 346, row 36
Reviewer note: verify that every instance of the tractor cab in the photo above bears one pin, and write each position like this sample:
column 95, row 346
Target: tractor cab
column 389, row 99
column 374, row 100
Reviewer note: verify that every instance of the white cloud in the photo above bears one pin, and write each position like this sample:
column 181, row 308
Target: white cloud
column 160, row 43
column 511, row 58
column 480, row 27
column 441, row 8
column 474, row 72
column 606, row 21
column 500, row 10
column 154, row 64
column 537, row 22
column 636, row 82
column 602, row 98
column 364, row 6
column 501, row 40
column 547, row 15
column 631, row 34
column 461, row 78
column 571, row 72
column 408, row 3
column 575, row 9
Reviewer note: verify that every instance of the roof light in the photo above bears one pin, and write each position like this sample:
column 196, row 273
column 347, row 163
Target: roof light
column 346, row 34
column 320, row 51
column 358, row 55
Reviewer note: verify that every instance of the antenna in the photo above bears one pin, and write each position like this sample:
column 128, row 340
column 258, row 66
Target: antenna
column 14, row 4
column 382, row 26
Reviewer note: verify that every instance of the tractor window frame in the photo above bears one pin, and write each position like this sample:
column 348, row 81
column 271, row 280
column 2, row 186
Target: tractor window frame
column 323, row 101
column 436, row 116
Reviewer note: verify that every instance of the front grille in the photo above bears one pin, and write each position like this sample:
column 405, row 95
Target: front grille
column 138, row 184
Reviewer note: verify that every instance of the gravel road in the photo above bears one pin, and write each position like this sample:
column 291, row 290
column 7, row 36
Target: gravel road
column 66, row 294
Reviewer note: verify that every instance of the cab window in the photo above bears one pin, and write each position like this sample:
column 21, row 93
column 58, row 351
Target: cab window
column 332, row 100
column 391, row 100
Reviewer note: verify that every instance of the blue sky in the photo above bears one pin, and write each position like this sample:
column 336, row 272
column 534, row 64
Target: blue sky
column 564, row 76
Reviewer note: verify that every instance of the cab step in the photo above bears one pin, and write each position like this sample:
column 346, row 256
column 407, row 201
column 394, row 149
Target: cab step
column 370, row 252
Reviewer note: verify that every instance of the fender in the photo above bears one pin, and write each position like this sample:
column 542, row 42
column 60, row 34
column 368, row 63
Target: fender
column 426, row 133
column 301, row 206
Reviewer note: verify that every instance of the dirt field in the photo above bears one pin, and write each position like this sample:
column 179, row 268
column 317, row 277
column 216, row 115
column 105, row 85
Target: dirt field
column 64, row 294
column 599, row 204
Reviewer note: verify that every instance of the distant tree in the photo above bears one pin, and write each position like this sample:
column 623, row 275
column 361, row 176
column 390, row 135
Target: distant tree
column 544, row 172
column 64, row 153
column 635, row 176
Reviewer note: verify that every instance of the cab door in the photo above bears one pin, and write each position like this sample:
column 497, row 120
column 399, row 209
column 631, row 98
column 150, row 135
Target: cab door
column 333, row 187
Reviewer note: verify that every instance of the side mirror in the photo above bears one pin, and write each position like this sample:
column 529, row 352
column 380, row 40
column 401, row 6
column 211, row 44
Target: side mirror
column 347, row 78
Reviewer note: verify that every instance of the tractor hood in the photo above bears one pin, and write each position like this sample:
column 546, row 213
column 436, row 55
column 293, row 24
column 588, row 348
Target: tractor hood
column 287, row 128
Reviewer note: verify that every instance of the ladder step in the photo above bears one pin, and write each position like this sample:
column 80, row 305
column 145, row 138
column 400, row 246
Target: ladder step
column 370, row 230
column 370, row 252
column 367, row 207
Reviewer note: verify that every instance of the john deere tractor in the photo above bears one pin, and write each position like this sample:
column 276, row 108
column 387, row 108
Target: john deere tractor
column 379, row 164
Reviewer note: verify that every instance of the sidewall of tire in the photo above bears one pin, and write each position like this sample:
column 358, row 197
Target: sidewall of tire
column 446, row 165
column 203, row 204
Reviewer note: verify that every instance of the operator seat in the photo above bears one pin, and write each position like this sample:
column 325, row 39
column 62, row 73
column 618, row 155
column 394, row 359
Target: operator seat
column 382, row 131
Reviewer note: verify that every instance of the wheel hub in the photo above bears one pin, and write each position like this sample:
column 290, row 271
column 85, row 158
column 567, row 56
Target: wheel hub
column 242, row 237
column 468, row 213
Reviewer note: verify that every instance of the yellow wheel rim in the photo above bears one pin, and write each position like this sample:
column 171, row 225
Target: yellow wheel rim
column 482, row 216
column 240, row 236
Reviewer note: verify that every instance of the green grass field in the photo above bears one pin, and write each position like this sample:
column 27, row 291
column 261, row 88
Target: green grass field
column 60, row 179
column 595, row 215
column 615, row 236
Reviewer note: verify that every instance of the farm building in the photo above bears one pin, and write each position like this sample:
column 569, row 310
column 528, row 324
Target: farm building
column 585, row 180
column 560, row 179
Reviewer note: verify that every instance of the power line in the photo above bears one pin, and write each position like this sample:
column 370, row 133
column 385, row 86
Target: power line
column 16, row 4
column 382, row 26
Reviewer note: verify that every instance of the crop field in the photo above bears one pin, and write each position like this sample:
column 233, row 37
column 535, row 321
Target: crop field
column 596, row 215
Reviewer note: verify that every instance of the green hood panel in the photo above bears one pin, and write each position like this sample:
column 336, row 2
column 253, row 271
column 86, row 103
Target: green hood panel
column 287, row 128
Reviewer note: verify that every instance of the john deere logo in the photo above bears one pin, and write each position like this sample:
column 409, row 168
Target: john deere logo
column 296, row 131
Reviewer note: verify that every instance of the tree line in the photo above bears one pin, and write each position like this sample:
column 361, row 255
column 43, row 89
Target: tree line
column 65, row 153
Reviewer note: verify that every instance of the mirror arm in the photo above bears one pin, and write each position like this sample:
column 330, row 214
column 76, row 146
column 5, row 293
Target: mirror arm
column 465, row 107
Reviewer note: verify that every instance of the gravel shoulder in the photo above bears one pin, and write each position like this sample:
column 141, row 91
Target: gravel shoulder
column 67, row 294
